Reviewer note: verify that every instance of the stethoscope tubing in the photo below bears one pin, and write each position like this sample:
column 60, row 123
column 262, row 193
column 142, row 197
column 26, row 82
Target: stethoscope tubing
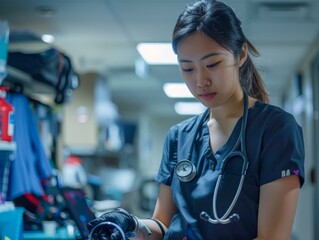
column 224, row 219
column 241, row 139
column 233, row 152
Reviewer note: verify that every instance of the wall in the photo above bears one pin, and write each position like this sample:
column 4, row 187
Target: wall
column 75, row 133
column 306, row 220
column 152, row 135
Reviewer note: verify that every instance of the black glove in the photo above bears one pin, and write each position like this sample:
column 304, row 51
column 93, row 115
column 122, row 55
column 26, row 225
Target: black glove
column 119, row 216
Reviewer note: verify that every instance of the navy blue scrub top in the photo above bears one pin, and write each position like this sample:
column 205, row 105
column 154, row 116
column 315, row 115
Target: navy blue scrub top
column 275, row 149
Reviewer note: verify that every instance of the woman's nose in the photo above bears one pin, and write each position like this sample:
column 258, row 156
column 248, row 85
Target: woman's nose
column 203, row 78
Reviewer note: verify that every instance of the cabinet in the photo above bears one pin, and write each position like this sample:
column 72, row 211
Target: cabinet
column 11, row 224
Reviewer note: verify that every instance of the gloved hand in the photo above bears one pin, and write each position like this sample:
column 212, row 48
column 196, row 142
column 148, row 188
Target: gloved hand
column 119, row 216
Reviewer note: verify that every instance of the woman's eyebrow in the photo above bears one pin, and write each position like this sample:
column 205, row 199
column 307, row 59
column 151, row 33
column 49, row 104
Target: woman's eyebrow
column 202, row 58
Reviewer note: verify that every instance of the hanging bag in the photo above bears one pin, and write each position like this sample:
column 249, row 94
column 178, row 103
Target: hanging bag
column 51, row 67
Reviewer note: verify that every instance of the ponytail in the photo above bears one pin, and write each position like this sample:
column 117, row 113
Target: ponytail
column 250, row 78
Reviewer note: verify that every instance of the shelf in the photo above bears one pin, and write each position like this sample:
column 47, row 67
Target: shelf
column 33, row 88
column 92, row 151
column 7, row 146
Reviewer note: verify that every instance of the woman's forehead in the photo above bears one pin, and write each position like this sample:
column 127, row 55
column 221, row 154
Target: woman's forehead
column 198, row 45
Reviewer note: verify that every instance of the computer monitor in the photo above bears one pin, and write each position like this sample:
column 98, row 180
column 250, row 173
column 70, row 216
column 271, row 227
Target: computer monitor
column 78, row 209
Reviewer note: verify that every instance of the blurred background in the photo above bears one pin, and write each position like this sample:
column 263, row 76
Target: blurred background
column 105, row 121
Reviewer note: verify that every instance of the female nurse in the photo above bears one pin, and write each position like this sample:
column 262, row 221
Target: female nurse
column 234, row 171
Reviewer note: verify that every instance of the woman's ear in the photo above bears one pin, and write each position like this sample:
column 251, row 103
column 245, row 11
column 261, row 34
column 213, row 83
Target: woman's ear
column 243, row 55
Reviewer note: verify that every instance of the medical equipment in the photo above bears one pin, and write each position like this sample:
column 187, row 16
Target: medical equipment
column 109, row 224
column 105, row 233
column 186, row 170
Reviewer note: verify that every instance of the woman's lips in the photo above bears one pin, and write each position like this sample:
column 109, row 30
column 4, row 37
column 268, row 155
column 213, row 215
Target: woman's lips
column 207, row 96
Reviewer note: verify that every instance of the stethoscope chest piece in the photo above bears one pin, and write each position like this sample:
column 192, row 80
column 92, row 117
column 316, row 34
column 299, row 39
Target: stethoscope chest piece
column 185, row 170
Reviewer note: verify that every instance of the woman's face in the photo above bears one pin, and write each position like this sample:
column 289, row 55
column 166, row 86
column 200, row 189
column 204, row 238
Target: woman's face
column 210, row 71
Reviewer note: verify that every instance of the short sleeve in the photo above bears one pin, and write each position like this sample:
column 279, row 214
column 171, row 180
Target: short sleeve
column 169, row 158
column 283, row 152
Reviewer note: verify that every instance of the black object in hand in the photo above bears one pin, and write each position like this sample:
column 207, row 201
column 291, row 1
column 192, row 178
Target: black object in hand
column 119, row 217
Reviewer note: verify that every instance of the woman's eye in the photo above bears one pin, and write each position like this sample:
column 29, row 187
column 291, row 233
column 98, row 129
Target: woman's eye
column 213, row 65
column 187, row 69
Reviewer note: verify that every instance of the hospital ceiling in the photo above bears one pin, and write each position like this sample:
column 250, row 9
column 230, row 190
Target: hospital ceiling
column 101, row 36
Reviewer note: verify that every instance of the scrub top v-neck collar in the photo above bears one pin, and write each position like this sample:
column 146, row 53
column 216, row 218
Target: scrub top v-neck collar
column 224, row 149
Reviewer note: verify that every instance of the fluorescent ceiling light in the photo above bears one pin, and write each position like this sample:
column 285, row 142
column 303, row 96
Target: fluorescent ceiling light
column 47, row 38
column 177, row 90
column 189, row 108
column 157, row 53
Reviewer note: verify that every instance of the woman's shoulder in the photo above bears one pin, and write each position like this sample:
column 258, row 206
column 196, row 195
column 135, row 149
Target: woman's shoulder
column 272, row 114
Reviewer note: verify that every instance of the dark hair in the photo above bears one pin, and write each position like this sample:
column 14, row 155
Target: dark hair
column 218, row 21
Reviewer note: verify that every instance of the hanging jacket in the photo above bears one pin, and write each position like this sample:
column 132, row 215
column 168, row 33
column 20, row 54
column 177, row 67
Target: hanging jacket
column 31, row 164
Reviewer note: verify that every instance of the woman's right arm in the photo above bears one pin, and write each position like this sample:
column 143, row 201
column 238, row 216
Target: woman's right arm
column 163, row 213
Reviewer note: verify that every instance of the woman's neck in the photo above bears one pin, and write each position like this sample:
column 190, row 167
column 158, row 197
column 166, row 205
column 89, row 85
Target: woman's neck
column 233, row 108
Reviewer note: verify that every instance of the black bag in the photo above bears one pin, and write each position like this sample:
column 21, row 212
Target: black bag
column 68, row 80
column 51, row 67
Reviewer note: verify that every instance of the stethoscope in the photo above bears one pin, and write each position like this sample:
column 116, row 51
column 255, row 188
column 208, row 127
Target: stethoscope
column 186, row 170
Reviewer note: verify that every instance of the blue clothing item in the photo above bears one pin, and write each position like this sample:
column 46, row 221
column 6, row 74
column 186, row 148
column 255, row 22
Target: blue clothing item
column 275, row 149
column 31, row 164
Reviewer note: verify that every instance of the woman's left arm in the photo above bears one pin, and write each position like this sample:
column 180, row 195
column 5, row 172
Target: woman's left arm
column 277, row 207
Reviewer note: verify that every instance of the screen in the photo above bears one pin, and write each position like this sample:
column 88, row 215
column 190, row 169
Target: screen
column 78, row 209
